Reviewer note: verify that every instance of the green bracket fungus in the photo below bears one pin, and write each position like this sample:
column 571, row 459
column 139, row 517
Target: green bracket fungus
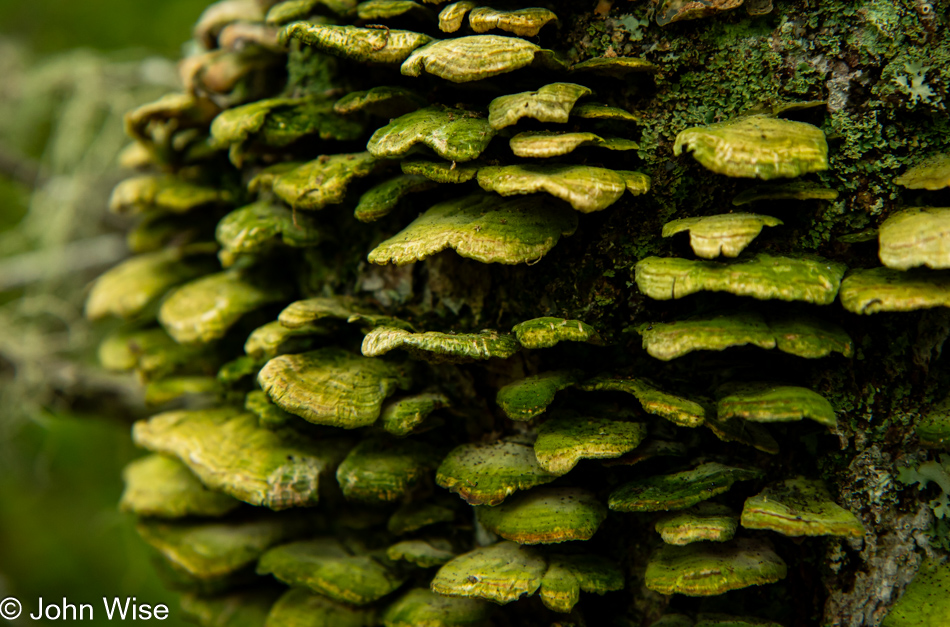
column 219, row 14
column 882, row 289
column 204, row 309
column 209, row 552
column 414, row 516
column 680, row 411
column 453, row 134
column 453, row 15
column 545, row 144
column 764, row 402
column 324, row 309
column 286, row 11
column 229, row 452
column 383, row 101
column 467, row 59
column 162, row 487
column 387, row 9
column 805, row 337
column 799, row 507
column 808, row 279
column 301, row 608
column 568, row 575
column 485, row 474
column 173, row 388
column 269, row 415
column 565, row 440
column 153, row 354
column 708, row 569
column 932, row 173
column 155, row 124
column 586, row 188
column 756, row 146
column 649, row 450
column 551, row 103
column 382, row 471
column 129, row 288
column 919, row 236
column 671, row 11
column 149, row 193
column 437, row 346
column 727, row 234
column 925, row 600
column 522, row 22
column 678, row 490
column 279, row 122
column 367, row 45
column 548, row 331
column 442, row 171
column 329, row 567
column 331, row 386
column 254, row 228
column 422, row 607
column 382, row 199
column 481, row 227
column 794, row 190
column 275, row 339
column 545, row 516
column 502, row 573
column 402, row 416
column 321, row 182
column 616, row 67
column 704, row 522
column 597, row 111
column 422, row 553
column 528, row 398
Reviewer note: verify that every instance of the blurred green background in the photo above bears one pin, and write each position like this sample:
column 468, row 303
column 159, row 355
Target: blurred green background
column 62, row 449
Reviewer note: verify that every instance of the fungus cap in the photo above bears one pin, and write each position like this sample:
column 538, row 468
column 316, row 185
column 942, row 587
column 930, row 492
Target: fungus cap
column 565, row 440
column 366, row 45
column 882, row 289
column 421, row 606
column 502, row 572
column 704, row 522
column 162, row 487
column 530, row 397
column 382, row 471
column 799, row 507
column 764, row 402
column 453, row 134
column 485, row 474
column 551, row 103
column 709, row 569
column 726, row 234
column 678, row 490
column 919, row 236
column 932, row 173
column 545, row 515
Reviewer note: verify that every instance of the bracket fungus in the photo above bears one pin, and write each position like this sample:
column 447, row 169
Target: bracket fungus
column 341, row 571
column 402, row 416
column 883, row 289
column 678, row 490
column 565, row 440
column 805, row 337
column 421, row 606
column 522, row 22
column 678, row 410
column 204, row 309
column 331, row 386
column 148, row 193
column 727, row 234
column 707, row 569
column 453, row 15
column 321, row 182
column 919, row 236
column 229, row 452
column 481, row 227
column 794, row 190
column 382, row 199
column 386, row 9
column 380, row 471
column 545, row 516
column 528, row 398
column 130, row 287
column 442, row 171
column 251, row 229
column 586, row 188
column 597, row 111
column 546, row 144
column 414, row 516
column 671, row 11
column 549, row 331
column 615, row 67
column 434, row 345
column 473, row 58
column 301, row 607
column 453, row 134
column 763, row 402
column 808, row 279
column 799, row 507
column 551, row 103
column 756, row 146
column 570, row 574
column 932, row 173
column 368, row 45
column 383, row 101
column 162, row 487
column 485, row 474
column 502, row 572
column 704, row 522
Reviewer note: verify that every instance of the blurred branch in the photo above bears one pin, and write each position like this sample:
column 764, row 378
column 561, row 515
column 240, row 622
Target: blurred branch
column 20, row 168
column 78, row 256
